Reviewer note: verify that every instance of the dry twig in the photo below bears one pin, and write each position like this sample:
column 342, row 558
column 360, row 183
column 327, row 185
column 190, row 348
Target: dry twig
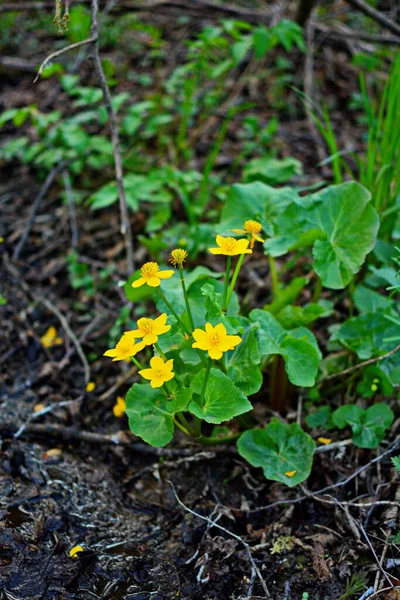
column 91, row 40
column 370, row 361
column 377, row 16
column 236, row 537
column 125, row 223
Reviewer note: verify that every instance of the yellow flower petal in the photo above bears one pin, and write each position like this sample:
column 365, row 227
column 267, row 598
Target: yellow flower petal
column 290, row 473
column 90, row 386
column 323, row 440
column 75, row 550
column 119, row 407
column 165, row 274
column 138, row 282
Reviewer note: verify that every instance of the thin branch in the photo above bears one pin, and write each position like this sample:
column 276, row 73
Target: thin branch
column 71, row 434
column 236, row 537
column 38, row 200
column 71, row 206
column 91, row 40
column 370, row 361
column 124, row 215
column 382, row 570
column 347, row 32
column 374, row 14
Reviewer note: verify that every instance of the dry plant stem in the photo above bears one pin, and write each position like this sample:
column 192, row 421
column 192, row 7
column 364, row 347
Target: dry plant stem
column 70, row 434
column 36, row 205
column 370, row 361
column 91, row 40
column 71, row 207
column 374, row 554
column 233, row 535
column 125, row 377
column 379, row 17
column 52, row 308
column 123, row 207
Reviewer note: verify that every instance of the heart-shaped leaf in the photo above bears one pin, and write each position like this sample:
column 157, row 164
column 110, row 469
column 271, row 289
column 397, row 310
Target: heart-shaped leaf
column 285, row 452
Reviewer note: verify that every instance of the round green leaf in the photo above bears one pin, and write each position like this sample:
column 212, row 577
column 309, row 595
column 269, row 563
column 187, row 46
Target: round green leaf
column 350, row 225
column 222, row 399
column 279, row 449
column 150, row 413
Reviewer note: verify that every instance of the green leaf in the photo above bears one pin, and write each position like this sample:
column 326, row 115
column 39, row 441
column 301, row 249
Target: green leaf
column 321, row 418
column 298, row 348
column 242, row 367
column 150, row 413
column 279, row 449
column 105, row 196
column 254, row 201
column 396, row 461
column 350, row 226
column 214, row 313
column 222, row 399
column 295, row 316
column 261, row 41
column 368, row 426
column 272, row 171
column 287, row 295
column 368, row 335
column 367, row 300
column 374, row 381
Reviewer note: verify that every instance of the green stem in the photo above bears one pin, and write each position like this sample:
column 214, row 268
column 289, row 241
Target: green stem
column 137, row 363
column 205, row 381
column 274, row 276
column 160, row 352
column 188, row 309
column 234, row 279
column 180, row 426
column 181, row 417
column 163, row 298
column 211, row 441
column 226, row 282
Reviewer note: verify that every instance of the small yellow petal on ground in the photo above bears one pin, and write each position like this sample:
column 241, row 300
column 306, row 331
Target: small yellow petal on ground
column 323, row 440
column 90, row 386
column 75, row 551
column 119, row 407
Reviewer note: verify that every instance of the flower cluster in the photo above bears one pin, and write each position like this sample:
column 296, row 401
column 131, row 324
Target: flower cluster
column 213, row 339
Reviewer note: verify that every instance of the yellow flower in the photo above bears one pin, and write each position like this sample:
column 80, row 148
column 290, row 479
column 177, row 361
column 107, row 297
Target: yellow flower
column 230, row 247
column 125, row 348
column 152, row 275
column 75, row 550
column 252, row 228
column 215, row 340
column 90, row 386
column 50, row 338
column 119, row 407
column 160, row 371
column 150, row 329
column 178, row 257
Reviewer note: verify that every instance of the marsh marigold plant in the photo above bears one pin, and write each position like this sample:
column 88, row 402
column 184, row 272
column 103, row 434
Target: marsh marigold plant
column 201, row 358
